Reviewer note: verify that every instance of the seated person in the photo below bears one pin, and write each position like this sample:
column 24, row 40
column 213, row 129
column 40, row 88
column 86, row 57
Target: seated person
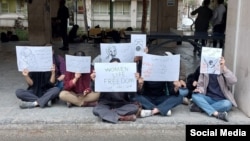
column 60, row 70
column 115, row 106
column 159, row 97
column 182, row 78
column 59, row 62
column 213, row 94
column 77, row 90
column 41, row 89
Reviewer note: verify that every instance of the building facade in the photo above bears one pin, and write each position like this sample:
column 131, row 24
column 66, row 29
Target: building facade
column 126, row 13
column 12, row 10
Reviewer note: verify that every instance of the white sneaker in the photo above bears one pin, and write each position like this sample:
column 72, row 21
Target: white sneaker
column 185, row 101
column 169, row 113
column 49, row 104
column 146, row 113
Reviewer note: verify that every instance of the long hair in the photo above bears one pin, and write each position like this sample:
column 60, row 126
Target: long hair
column 115, row 60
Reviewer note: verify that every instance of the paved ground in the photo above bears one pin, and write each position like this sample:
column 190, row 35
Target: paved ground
column 62, row 123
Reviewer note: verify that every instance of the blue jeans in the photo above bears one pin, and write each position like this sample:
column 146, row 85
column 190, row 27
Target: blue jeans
column 162, row 103
column 210, row 105
column 183, row 92
column 59, row 85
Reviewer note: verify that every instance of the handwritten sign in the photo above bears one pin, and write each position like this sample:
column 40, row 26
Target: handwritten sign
column 124, row 51
column 138, row 41
column 34, row 58
column 79, row 64
column 210, row 60
column 160, row 68
column 115, row 77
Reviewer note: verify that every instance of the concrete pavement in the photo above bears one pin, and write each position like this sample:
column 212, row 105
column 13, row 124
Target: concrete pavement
column 61, row 123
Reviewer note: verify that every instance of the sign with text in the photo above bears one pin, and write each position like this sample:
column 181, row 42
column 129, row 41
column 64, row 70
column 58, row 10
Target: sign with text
column 34, row 58
column 115, row 77
column 160, row 68
column 210, row 60
column 79, row 64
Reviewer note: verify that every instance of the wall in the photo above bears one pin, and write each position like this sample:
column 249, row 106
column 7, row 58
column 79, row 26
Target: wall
column 237, row 50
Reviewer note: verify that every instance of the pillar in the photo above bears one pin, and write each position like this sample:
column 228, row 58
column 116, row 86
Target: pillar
column 237, row 50
column 133, row 12
column 39, row 21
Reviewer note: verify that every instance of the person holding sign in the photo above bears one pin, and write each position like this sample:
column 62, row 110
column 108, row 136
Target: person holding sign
column 60, row 67
column 41, row 89
column 159, row 97
column 213, row 93
column 77, row 88
column 115, row 106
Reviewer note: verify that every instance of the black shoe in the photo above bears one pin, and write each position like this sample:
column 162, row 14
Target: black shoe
column 195, row 49
column 223, row 116
column 69, row 104
column 195, row 108
column 64, row 48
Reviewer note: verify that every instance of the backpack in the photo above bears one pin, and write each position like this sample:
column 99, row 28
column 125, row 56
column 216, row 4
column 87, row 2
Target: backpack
column 4, row 37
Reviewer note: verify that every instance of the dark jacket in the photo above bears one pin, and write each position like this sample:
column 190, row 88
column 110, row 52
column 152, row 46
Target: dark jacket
column 63, row 15
column 152, row 88
column 203, row 18
column 41, row 82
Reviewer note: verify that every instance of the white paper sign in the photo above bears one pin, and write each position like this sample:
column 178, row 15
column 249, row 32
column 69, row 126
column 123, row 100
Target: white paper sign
column 79, row 64
column 138, row 41
column 160, row 68
column 34, row 58
column 210, row 60
column 115, row 77
column 124, row 51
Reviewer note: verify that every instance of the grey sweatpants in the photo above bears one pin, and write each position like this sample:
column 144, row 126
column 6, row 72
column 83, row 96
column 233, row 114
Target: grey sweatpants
column 112, row 115
column 28, row 95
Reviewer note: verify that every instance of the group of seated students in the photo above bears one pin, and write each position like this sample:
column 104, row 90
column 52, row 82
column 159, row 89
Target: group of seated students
column 209, row 93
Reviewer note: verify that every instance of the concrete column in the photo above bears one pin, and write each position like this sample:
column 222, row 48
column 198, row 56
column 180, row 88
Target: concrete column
column 89, row 12
column 133, row 13
column 54, row 7
column 39, row 21
column 237, row 50
column 180, row 14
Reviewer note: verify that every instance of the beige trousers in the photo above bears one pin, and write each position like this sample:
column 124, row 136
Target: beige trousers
column 78, row 100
